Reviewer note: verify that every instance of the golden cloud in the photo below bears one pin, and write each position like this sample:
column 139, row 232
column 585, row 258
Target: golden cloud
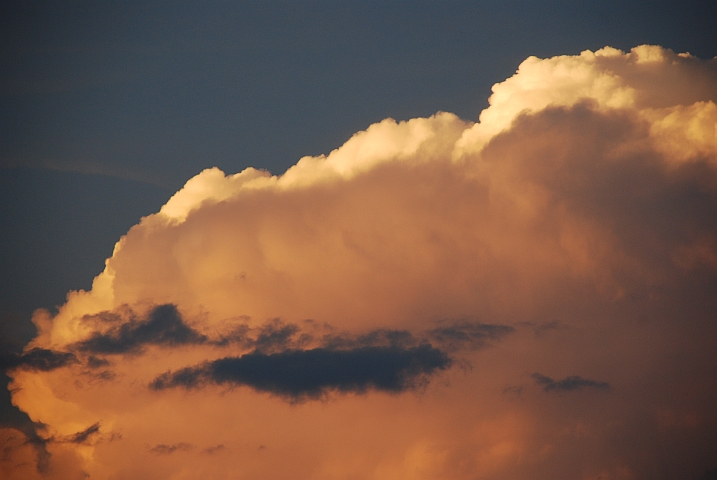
column 531, row 296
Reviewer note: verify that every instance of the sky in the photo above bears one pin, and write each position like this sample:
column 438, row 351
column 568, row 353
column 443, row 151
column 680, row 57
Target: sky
column 360, row 240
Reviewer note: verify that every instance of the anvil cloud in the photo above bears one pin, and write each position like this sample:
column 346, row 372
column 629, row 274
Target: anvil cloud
column 530, row 296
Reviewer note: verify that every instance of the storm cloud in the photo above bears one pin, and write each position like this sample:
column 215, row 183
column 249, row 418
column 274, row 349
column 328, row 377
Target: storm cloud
column 569, row 232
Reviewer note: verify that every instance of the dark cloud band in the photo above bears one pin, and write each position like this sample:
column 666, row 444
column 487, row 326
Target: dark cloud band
column 84, row 435
column 299, row 374
column 37, row 359
column 163, row 326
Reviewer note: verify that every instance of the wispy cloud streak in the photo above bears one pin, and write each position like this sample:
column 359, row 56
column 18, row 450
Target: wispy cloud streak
column 568, row 384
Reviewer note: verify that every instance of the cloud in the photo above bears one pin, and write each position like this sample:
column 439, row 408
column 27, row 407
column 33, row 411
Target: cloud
column 37, row 359
column 96, row 362
column 468, row 335
column 382, row 360
column 214, row 449
column 163, row 326
column 581, row 205
column 84, row 435
column 163, row 449
column 274, row 336
column 568, row 384
column 300, row 374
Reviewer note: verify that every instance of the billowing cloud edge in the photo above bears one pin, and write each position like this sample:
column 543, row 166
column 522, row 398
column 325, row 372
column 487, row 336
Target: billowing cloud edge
column 608, row 79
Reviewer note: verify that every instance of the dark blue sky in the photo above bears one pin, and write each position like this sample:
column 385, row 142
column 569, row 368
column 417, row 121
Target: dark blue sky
column 107, row 109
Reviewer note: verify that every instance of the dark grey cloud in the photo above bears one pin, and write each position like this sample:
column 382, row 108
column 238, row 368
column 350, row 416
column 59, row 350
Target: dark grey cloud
column 13, row 417
column 467, row 335
column 398, row 338
column 84, row 435
column 302, row 374
column 163, row 326
column 568, row 384
column 32, row 431
column 103, row 376
column 10, row 415
column 275, row 335
column 39, row 444
column 280, row 363
column 379, row 337
column 214, row 449
column 449, row 337
column 163, row 449
column 37, row 359
column 96, row 362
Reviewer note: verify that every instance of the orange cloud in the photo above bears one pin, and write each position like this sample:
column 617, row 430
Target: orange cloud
column 531, row 296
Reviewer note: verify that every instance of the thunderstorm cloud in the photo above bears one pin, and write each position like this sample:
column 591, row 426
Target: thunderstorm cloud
column 378, row 312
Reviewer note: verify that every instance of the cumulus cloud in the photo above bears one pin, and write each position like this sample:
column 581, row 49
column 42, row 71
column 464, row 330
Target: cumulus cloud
column 570, row 230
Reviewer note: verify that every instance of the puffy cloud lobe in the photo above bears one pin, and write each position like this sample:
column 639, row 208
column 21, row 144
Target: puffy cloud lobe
column 301, row 374
column 575, row 221
column 649, row 81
